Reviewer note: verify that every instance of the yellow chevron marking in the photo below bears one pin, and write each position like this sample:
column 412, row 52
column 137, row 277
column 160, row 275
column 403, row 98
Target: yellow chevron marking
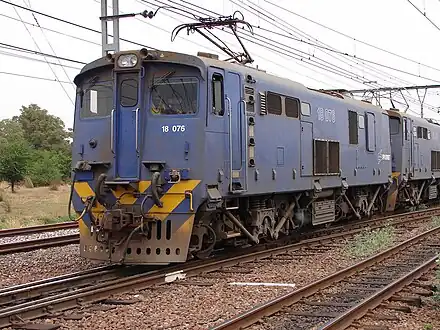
column 125, row 199
column 83, row 189
column 172, row 198
column 128, row 198
column 186, row 229
column 144, row 185
column 83, row 229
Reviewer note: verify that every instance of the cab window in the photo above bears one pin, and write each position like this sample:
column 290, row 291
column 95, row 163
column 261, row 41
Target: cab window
column 174, row 96
column 217, row 95
column 96, row 99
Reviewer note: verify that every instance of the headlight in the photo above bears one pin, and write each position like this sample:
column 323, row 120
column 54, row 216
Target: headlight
column 127, row 60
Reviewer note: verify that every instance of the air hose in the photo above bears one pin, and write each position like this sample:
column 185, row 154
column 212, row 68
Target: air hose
column 154, row 189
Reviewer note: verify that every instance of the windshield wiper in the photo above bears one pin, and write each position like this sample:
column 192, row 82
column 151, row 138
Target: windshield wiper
column 161, row 79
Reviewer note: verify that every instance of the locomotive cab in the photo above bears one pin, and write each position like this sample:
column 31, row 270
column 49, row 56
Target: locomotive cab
column 139, row 125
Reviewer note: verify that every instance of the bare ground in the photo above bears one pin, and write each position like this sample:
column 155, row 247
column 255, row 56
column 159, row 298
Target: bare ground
column 34, row 206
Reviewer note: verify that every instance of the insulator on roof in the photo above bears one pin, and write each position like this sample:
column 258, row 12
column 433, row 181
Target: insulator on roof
column 208, row 55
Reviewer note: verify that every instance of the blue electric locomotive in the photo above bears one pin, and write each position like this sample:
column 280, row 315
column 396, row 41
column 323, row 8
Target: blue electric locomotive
column 176, row 154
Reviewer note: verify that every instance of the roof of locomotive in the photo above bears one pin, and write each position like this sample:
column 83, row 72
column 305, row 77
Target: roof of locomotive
column 202, row 62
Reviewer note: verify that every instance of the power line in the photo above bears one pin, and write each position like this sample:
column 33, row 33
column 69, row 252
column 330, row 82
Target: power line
column 326, row 66
column 26, row 50
column 35, row 59
column 387, row 89
column 424, row 15
column 327, row 48
column 34, row 77
column 352, row 38
column 49, row 43
column 411, row 99
column 259, row 56
column 53, row 31
column 274, row 20
column 71, row 23
column 50, row 67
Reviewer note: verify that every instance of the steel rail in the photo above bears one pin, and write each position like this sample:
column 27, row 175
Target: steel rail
column 69, row 300
column 31, row 290
column 273, row 306
column 38, row 229
column 24, row 246
column 29, row 245
column 345, row 320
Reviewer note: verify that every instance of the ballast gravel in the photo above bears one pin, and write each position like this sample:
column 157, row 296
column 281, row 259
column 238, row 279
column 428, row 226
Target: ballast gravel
column 203, row 301
column 30, row 237
column 24, row 267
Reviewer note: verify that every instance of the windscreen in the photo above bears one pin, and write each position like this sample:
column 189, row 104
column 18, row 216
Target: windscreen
column 174, row 96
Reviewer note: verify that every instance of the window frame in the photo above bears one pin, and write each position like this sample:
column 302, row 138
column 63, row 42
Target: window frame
column 309, row 108
column 222, row 95
column 121, row 90
column 298, row 106
column 174, row 114
column 268, row 107
column 109, row 83
column 353, row 120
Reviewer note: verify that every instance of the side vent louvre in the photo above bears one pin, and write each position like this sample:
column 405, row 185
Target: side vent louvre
column 263, row 110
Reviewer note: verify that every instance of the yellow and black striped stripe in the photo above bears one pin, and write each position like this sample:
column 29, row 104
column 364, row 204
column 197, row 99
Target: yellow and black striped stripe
column 171, row 199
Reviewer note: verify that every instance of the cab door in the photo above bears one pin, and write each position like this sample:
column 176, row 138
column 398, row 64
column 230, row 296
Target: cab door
column 235, row 106
column 125, row 128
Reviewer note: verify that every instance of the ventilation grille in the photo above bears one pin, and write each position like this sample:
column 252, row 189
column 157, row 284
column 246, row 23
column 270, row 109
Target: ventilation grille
column 263, row 110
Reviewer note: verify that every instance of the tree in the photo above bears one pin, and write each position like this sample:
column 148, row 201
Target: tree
column 14, row 155
column 43, row 130
column 45, row 167
column 10, row 130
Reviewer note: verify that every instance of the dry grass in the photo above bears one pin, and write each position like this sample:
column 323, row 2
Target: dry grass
column 30, row 207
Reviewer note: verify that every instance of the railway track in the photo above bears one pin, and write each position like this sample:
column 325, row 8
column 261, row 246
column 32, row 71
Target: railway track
column 335, row 301
column 30, row 245
column 35, row 244
column 35, row 300
column 37, row 229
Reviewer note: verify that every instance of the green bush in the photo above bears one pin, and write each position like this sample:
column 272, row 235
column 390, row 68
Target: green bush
column 369, row 242
column 44, row 168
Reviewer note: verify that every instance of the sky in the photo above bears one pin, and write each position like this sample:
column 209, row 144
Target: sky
column 285, row 42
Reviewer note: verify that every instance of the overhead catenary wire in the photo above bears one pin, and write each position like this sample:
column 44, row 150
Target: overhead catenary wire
column 34, row 77
column 342, row 53
column 50, row 67
column 287, row 50
column 26, row 50
column 50, row 44
column 378, row 73
column 268, row 60
column 352, row 38
column 326, row 48
column 424, row 15
column 414, row 101
column 53, row 31
column 36, row 59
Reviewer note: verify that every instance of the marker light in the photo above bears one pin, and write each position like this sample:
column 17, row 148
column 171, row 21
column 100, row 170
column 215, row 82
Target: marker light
column 127, row 60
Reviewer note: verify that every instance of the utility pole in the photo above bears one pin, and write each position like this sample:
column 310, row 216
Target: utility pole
column 106, row 45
